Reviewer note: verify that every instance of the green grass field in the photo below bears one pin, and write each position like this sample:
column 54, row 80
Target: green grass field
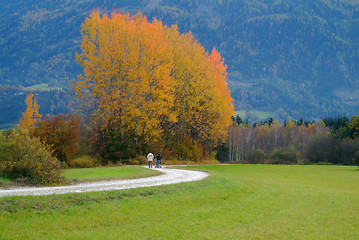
column 4, row 179
column 235, row 202
column 255, row 115
column 75, row 175
column 41, row 87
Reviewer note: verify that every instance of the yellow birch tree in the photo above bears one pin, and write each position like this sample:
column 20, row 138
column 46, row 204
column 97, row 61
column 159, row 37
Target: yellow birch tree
column 31, row 115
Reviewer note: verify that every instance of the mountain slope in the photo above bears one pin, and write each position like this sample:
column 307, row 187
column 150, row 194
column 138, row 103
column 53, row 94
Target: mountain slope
column 291, row 59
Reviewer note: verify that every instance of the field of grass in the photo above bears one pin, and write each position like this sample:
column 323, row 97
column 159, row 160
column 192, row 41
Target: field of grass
column 255, row 115
column 348, row 96
column 242, row 114
column 41, row 87
column 235, row 202
column 4, row 180
column 260, row 115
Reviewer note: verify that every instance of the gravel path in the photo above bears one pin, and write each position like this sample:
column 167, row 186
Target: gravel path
column 169, row 176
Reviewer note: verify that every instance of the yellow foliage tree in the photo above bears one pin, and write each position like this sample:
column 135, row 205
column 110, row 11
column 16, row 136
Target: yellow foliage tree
column 31, row 115
column 126, row 82
column 202, row 99
column 149, row 81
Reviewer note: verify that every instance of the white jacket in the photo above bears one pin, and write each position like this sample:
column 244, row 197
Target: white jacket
column 150, row 157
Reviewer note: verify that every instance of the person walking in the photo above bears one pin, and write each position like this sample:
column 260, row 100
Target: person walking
column 150, row 157
column 158, row 160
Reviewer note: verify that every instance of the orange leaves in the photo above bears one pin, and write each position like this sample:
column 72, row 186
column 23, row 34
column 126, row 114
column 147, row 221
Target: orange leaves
column 127, row 65
column 62, row 133
column 203, row 102
column 145, row 78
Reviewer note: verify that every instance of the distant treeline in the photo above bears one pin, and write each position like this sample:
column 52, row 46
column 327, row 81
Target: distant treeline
column 331, row 140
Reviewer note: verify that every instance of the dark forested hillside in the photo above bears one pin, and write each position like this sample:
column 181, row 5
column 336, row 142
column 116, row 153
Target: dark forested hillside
column 288, row 59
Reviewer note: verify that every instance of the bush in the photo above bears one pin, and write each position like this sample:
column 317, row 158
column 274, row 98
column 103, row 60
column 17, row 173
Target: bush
column 22, row 156
column 138, row 160
column 256, row 156
column 285, row 155
column 84, row 162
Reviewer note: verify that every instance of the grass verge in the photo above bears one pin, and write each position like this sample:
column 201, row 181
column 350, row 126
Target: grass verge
column 41, row 87
column 107, row 173
column 77, row 175
column 236, row 202
column 4, row 182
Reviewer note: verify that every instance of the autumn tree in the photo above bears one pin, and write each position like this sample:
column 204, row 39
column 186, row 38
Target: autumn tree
column 203, row 104
column 148, row 82
column 277, row 136
column 31, row 115
column 61, row 133
column 126, row 82
column 23, row 155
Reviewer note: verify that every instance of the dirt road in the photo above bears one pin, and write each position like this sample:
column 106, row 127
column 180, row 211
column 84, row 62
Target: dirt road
column 169, row 176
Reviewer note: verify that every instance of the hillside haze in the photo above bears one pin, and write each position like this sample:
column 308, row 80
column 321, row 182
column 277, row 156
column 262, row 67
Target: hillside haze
column 296, row 59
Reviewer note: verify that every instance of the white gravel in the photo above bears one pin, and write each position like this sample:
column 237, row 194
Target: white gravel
column 169, row 176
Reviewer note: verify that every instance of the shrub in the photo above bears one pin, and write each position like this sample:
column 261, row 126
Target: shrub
column 22, row 156
column 138, row 160
column 285, row 155
column 84, row 162
column 256, row 156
